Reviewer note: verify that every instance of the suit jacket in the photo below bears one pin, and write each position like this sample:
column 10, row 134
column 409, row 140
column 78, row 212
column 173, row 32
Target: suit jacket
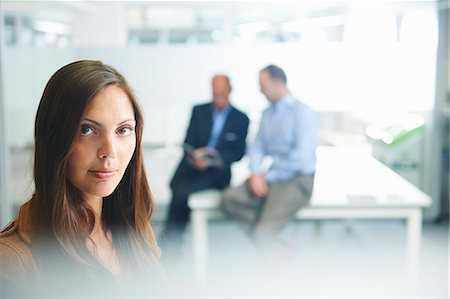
column 230, row 145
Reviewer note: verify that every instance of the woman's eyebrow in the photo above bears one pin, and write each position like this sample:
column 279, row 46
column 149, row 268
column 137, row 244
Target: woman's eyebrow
column 99, row 124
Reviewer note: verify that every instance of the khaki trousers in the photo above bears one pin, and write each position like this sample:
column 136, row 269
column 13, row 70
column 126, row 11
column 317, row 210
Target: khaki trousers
column 264, row 218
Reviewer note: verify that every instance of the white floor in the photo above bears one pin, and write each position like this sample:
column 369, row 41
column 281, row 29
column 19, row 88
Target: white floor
column 365, row 261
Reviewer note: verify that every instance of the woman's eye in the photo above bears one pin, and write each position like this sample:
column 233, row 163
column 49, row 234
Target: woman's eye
column 125, row 131
column 86, row 130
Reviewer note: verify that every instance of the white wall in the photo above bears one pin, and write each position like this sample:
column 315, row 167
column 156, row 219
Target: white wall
column 104, row 25
column 170, row 79
column 26, row 72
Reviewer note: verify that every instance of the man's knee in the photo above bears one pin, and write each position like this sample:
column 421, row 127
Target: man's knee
column 233, row 202
column 227, row 200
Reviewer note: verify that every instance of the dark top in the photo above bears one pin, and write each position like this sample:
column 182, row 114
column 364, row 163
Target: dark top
column 231, row 141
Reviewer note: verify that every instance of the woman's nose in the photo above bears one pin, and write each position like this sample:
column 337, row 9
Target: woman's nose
column 107, row 149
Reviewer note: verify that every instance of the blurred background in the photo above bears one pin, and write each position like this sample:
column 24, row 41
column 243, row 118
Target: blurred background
column 377, row 73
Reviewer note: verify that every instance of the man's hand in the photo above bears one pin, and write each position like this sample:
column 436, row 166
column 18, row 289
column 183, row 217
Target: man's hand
column 201, row 152
column 198, row 158
column 257, row 185
column 200, row 164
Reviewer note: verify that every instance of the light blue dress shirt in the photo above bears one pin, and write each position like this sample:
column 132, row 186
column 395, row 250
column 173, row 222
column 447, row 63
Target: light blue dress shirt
column 219, row 119
column 288, row 134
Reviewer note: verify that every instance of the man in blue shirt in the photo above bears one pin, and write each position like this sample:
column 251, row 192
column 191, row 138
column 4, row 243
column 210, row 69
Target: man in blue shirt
column 214, row 140
column 270, row 198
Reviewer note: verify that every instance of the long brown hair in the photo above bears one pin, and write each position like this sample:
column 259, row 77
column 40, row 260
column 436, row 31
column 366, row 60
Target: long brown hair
column 58, row 211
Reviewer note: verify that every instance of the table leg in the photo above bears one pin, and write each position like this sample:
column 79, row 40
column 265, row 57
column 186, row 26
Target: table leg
column 413, row 240
column 200, row 245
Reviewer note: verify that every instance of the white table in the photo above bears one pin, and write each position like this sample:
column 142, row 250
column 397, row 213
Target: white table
column 349, row 184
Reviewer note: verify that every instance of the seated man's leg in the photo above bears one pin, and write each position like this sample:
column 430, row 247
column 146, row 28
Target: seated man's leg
column 283, row 202
column 239, row 204
column 182, row 187
column 178, row 214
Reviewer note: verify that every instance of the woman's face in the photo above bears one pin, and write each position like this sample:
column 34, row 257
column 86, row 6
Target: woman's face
column 104, row 144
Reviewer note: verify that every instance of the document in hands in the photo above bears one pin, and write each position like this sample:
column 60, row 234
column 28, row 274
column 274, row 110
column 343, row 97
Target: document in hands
column 209, row 155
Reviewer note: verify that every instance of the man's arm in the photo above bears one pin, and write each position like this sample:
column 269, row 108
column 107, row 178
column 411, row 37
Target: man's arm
column 257, row 182
column 257, row 150
column 191, row 141
column 236, row 149
column 302, row 156
column 191, row 131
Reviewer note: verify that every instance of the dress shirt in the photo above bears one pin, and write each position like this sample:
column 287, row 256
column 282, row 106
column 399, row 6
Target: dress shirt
column 288, row 134
column 219, row 119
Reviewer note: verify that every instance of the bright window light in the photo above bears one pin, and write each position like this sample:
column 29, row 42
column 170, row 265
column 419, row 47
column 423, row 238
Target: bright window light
column 371, row 24
column 419, row 29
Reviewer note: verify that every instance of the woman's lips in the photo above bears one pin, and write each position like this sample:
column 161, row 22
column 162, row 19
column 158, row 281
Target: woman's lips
column 103, row 173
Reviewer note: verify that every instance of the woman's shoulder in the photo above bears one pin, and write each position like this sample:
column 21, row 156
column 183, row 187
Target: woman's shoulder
column 18, row 270
column 16, row 258
column 14, row 250
column 9, row 235
column 15, row 238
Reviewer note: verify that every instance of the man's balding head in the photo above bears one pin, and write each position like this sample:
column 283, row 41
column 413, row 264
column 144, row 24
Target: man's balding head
column 221, row 89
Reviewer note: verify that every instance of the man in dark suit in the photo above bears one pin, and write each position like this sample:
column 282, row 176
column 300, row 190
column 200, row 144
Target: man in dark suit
column 215, row 139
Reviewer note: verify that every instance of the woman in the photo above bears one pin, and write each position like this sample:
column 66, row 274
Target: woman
column 88, row 220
